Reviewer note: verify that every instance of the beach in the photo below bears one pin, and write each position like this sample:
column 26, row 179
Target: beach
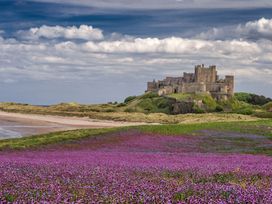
column 15, row 125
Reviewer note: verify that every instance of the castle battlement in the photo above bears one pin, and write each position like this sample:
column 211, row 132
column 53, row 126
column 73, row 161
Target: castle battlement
column 203, row 80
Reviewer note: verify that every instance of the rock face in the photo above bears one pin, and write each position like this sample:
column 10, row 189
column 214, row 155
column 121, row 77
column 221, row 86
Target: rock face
column 182, row 107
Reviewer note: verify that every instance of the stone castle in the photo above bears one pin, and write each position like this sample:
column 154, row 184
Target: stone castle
column 204, row 80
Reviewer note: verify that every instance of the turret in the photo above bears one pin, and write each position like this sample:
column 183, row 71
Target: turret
column 229, row 80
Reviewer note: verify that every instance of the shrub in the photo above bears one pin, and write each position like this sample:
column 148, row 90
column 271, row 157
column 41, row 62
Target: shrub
column 198, row 110
column 109, row 110
column 121, row 105
column 219, row 108
column 245, row 111
column 243, row 96
column 263, row 114
column 162, row 103
column 130, row 98
column 209, row 102
column 253, row 99
column 149, row 95
column 268, row 106
column 148, row 105
column 129, row 110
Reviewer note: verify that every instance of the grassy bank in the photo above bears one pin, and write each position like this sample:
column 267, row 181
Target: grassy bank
column 53, row 138
column 262, row 127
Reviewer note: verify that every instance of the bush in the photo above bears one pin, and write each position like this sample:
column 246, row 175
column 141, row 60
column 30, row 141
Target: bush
column 149, row 95
column 130, row 98
column 121, row 105
column 109, row 110
column 268, row 106
column 243, row 97
column 219, row 108
column 198, row 110
column 210, row 103
column 245, row 111
column 253, row 99
column 129, row 110
column 148, row 105
column 263, row 114
column 162, row 103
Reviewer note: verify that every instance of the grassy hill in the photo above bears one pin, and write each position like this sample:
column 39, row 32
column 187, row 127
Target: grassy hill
column 150, row 107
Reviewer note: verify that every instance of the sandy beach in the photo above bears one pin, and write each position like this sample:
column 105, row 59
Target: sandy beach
column 14, row 125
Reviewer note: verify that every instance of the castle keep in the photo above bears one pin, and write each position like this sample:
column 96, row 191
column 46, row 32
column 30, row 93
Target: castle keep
column 204, row 80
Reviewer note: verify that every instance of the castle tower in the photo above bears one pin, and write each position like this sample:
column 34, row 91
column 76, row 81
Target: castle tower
column 206, row 75
column 229, row 80
column 152, row 86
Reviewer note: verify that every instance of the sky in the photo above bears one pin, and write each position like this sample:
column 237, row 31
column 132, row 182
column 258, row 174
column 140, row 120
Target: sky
column 100, row 51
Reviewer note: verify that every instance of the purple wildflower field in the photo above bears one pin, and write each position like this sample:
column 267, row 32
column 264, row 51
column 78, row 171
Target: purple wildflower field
column 135, row 168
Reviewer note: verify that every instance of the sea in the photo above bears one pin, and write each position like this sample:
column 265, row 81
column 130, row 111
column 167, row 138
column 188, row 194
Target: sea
column 10, row 131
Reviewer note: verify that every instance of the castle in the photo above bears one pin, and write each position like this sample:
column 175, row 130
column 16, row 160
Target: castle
column 204, row 80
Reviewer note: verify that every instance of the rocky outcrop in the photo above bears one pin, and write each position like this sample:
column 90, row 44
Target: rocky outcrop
column 182, row 107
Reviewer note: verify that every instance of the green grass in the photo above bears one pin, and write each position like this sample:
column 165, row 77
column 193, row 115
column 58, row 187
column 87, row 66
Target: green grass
column 263, row 127
column 53, row 138
column 211, row 144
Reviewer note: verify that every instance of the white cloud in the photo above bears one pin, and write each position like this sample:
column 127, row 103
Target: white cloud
column 83, row 32
column 261, row 28
column 252, row 30
column 173, row 45
column 131, row 57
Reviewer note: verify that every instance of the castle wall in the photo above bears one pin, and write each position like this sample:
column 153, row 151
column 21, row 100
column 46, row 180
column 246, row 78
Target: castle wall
column 166, row 90
column 203, row 80
column 188, row 77
column 193, row 88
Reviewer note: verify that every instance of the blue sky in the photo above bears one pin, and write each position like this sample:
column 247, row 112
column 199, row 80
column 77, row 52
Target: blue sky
column 100, row 51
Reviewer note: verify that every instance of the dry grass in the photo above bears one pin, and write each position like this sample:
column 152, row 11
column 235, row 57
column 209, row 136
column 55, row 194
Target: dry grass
column 86, row 111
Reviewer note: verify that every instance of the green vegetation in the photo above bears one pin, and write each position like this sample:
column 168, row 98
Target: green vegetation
column 122, row 114
column 268, row 106
column 208, row 103
column 253, row 99
column 205, row 103
column 261, row 127
column 152, row 108
column 130, row 98
column 53, row 138
column 263, row 114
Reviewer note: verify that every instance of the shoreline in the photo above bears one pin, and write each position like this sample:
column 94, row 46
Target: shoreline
column 32, row 124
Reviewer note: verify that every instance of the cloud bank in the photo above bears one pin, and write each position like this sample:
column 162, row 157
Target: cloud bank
column 55, row 53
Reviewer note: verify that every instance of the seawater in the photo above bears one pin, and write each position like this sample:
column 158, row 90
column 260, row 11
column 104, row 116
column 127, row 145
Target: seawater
column 6, row 133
